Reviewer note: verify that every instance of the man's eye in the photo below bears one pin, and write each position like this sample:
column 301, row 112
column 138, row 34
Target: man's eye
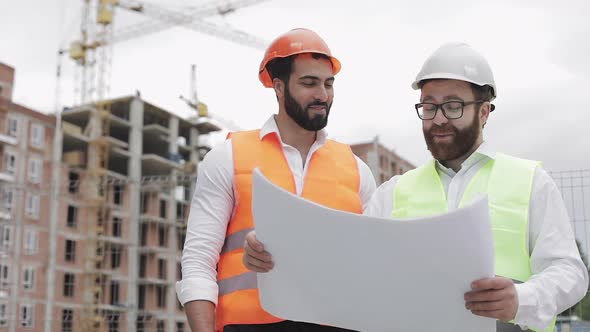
column 428, row 108
column 453, row 107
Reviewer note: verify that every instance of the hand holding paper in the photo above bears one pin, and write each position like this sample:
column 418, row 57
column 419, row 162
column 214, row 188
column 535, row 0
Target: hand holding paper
column 371, row 274
column 255, row 257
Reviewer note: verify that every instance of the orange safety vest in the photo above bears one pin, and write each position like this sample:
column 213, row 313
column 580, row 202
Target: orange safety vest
column 332, row 180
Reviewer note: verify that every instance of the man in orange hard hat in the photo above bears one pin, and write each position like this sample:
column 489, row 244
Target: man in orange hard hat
column 218, row 292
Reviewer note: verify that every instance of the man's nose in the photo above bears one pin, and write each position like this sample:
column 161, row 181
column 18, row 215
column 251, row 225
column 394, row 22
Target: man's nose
column 440, row 118
column 321, row 94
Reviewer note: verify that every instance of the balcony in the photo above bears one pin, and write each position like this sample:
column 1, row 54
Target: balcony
column 153, row 164
column 156, row 130
column 4, row 215
column 148, row 218
column 6, row 176
column 80, row 117
column 73, row 138
column 205, row 125
column 8, row 139
column 153, row 250
column 155, row 281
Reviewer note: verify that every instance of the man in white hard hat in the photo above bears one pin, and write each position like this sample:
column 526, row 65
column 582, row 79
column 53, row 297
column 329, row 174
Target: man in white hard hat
column 538, row 266
column 539, row 272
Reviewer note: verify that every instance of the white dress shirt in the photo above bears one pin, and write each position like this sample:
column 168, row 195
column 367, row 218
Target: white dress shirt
column 213, row 204
column 559, row 278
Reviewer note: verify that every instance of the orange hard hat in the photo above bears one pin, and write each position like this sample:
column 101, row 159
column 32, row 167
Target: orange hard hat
column 296, row 41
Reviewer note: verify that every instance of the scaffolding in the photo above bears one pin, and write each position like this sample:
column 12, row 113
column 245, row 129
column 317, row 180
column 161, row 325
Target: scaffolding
column 98, row 168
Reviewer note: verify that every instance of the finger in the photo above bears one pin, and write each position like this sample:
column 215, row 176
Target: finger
column 486, row 306
column 485, row 295
column 253, row 242
column 257, row 265
column 491, row 283
column 256, row 269
column 497, row 314
column 260, row 255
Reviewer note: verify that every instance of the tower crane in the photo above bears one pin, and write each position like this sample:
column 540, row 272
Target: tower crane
column 93, row 51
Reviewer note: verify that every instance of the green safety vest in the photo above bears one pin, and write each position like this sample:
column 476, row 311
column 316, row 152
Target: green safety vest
column 508, row 183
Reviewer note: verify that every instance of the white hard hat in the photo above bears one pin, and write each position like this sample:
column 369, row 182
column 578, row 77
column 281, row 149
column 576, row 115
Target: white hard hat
column 457, row 61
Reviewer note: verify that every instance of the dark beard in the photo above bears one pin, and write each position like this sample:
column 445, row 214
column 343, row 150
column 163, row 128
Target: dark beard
column 463, row 140
column 301, row 116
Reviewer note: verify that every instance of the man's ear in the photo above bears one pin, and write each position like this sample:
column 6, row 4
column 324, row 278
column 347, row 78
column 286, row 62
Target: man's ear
column 279, row 86
column 484, row 113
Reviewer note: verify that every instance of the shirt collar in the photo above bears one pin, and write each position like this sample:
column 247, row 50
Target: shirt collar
column 483, row 151
column 270, row 126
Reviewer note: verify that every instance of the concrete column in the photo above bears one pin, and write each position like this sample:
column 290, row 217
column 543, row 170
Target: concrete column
column 373, row 160
column 173, row 125
column 95, row 124
column 134, row 167
column 194, row 143
column 21, row 195
column 172, row 238
column 53, row 221
column 194, row 157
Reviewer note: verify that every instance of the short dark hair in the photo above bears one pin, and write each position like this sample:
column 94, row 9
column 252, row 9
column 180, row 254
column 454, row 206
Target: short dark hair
column 485, row 93
column 281, row 68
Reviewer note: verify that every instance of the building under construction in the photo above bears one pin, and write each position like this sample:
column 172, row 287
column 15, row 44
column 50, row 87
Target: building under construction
column 100, row 251
column 129, row 166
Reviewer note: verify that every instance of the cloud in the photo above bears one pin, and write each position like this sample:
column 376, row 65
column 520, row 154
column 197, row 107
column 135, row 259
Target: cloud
column 545, row 124
column 537, row 50
column 572, row 50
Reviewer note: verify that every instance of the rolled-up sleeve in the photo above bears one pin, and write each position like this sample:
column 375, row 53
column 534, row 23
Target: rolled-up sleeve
column 211, row 208
column 560, row 278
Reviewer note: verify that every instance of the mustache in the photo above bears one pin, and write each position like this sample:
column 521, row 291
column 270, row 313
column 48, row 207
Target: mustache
column 318, row 103
column 444, row 129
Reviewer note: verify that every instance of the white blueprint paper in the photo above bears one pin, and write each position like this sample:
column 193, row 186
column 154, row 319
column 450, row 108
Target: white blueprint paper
column 371, row 274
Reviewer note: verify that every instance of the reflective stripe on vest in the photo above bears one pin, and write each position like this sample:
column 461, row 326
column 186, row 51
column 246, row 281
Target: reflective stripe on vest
column 508, row 183
column 332, row 179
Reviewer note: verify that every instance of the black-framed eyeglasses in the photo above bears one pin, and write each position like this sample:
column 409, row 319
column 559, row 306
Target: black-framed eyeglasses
column 450, row 109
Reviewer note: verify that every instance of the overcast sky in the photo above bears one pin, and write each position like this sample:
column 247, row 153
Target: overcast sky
column 538, row 50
